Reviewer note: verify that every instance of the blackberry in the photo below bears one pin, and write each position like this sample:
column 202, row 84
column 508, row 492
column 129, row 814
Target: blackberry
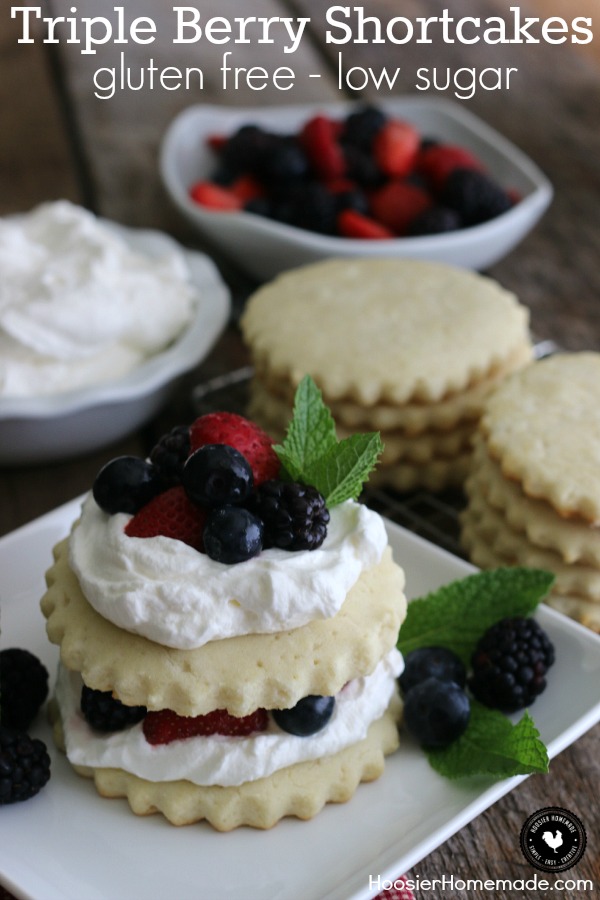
column 285, row 160
column 104, row 713
column 362, row 168
column 23, row 687
column 353, row 198
column 435, row 220
column 510, row 664
column 245, row 150
column 475, row 196
column 294, row 515
column 308, row 205
column 362, row 125
column 170, row 453
column 24, row 766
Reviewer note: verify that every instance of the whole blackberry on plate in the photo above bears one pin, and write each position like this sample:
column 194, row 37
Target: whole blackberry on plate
column 24, row 766
column 104, row 713
column 23, row 687
column 170, row 453
column 510, row 664
column 295, row 516
column 475, row 196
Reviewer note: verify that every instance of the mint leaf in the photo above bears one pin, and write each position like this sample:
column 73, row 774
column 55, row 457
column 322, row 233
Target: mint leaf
column 310, row 434
column 492, row 745
column 457, row 614
column 312, row 454
column 341, row 472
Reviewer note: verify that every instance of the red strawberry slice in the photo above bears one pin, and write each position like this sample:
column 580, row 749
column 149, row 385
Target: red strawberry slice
column 352, row 224
column 242, row 434
column 397, row 203
column 171, row 514
column 165, row 726
column 395, row 148
column 319, row 141
column 435, row 163
column 205, row 193
column 246, row 187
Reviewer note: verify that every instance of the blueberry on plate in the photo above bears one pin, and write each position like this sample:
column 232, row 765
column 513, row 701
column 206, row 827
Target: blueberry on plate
column 232, row 535
column 125, row 484
column 436, row 713
column 217, row 475
column 438, row 662
column 309, row 715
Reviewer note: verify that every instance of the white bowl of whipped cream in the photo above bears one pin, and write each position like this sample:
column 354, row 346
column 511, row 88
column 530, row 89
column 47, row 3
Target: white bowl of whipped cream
column 97, row 323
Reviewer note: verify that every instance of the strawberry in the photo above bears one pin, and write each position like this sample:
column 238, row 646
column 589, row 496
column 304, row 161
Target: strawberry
column 171, row 514
column 397, row 203
column 242, row 434
column 165, row 726
column 395, row 148
column 205, row 193
column 352, row 224
column 436, row 162
column 216, row 142
column 246, row 187
column 319, row 141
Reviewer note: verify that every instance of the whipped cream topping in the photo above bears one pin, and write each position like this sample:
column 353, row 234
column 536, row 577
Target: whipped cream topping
column 221, row 760
column 170, row 593
column 79, row 306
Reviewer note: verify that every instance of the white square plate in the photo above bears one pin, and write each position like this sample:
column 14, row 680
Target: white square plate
column 69, row 843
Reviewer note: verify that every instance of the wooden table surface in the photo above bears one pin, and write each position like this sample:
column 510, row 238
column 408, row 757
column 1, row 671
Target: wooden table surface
column 58, row 141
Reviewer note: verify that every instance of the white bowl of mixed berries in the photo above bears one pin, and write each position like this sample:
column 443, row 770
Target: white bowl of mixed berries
column 279, row 187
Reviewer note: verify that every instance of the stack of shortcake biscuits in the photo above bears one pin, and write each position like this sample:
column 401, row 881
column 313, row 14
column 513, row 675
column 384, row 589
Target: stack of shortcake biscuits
column 534, row 490
column 407, row 348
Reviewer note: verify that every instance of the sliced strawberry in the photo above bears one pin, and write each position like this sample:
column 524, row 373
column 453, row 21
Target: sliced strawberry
column 165, row 726
column 436, row 162
column 205, row 193
column 242, row 434
column 171, row 514
column 319, row 141
column 216, row 142
column 395, row 148
column 246, row 187
column 352, row 224
column 397, row 203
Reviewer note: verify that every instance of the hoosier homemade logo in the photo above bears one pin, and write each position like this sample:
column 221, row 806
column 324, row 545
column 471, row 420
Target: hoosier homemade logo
column 553, row 839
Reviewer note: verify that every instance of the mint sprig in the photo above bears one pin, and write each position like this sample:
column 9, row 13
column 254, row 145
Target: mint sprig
column 312, row 454
column 456, row 615
column 492, row 745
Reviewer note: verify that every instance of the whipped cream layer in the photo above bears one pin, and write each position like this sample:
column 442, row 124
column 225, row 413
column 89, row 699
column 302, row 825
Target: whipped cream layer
column 170, row 593
column 221, row 760
column 78, row 306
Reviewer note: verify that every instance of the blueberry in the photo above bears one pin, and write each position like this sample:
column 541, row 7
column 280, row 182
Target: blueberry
column 232, row 534
column 125, row 484
column 308, row 716
column 216, row 475
column 362, row 126
column 437, row 661
column 436, row 712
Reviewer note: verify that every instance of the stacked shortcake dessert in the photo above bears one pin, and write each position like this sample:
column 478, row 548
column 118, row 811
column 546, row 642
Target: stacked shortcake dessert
column 408, row 348
column 534, row 491
column 227, row 615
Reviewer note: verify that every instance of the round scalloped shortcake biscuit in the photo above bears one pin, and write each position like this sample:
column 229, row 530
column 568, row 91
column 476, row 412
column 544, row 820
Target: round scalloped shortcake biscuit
column 300, row 790
column 583, row 610
column 413, row 418
column 435, row 475
column 483, row 528
column 239, row 674
column 274, row 415
column 542, row 425
column 383, row 331
column 575, row 540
